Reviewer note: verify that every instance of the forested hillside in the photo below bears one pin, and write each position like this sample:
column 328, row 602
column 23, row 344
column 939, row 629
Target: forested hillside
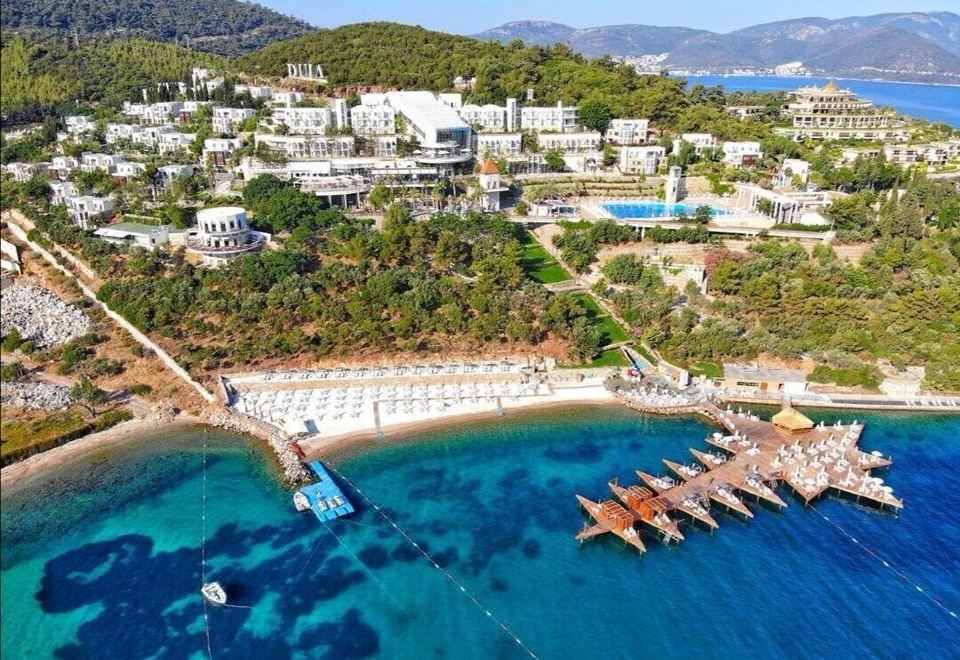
column 39, row 74
column 391, row 55
column 226, row 27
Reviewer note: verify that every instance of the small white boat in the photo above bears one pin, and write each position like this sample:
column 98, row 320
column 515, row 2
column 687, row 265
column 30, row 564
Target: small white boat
column 300, row 501
column 214, row 593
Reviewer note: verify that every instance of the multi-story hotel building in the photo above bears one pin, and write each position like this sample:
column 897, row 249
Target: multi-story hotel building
column 487, row 117
column 831, row 113
column 304, row 147
column 557, row 119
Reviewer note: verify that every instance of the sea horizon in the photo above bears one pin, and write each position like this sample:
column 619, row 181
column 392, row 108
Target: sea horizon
column 931, row 101
column 492, row 502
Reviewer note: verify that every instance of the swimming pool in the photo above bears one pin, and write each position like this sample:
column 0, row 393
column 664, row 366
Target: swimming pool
column 649, row 209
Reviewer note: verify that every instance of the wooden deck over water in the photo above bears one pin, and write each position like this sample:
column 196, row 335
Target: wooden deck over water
column 755, row 457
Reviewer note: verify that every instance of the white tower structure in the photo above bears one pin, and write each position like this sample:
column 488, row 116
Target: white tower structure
column 671, row 185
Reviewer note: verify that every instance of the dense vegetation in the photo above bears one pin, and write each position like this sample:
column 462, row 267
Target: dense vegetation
column 51, row 71
column 219, row 26
column 391, row 55
column 339, row 287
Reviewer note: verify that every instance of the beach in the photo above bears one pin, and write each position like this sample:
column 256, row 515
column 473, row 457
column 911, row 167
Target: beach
column 58, row 456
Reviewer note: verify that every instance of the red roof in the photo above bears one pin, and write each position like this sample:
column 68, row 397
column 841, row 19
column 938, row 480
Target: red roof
column 489, row 167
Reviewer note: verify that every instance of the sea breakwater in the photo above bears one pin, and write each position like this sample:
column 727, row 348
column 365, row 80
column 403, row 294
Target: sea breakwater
column 292, row 468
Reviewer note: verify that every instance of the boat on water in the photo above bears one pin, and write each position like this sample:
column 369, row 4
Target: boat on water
column 214, row 593
column 300, row 501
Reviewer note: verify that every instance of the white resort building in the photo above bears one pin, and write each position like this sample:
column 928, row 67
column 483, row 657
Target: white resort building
column 230, row 120
column 498, row 144
column 485, row 117
column 218, row 150
column 557, row 119
column 489, row 178
column 85, row 210
column 570, row 143
column 305, row 147
column 641, row 160
column 149, row 237
column 742, row 154
column 373, row 119
column 627, row 132
column 222, row 233
column 831, row 113
column 700, row 141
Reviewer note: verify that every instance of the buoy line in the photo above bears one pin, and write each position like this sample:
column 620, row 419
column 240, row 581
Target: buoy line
column 476, row 601
column 903, row 576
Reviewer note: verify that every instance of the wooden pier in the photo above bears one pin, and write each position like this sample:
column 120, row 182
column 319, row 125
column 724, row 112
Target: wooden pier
column 754, row 457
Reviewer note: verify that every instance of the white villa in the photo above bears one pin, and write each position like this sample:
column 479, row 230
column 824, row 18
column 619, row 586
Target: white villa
column 790, row 168
column 61, row 191
column 229, row 120
column 741, row 154
column 373, row 119
column 641, row 160
column 128, row 170
column 627, row 132
column 700, row 141
column 304, row 121
column 217, row 150
column 23, row 172
column 167, row 174
column 91, row 162
column 87, row 209
column 173, row 142
column 149, row 237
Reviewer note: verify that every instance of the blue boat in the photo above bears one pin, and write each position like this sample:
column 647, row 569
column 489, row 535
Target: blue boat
column 324, row 497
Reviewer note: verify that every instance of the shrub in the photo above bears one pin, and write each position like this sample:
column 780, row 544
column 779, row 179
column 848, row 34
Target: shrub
column 140, row 389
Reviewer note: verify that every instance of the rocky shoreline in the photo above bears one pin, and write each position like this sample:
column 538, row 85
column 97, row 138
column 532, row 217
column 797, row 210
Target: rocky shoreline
column 291, row 466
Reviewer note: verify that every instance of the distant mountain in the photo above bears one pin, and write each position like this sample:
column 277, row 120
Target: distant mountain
column 906, row 46
column 226, row 27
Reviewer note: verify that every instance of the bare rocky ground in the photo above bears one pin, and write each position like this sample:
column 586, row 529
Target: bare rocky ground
column 36, row 396
column 40, row 316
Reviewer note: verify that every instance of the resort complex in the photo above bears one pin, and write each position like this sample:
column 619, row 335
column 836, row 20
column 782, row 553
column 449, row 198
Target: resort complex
column 355, row 341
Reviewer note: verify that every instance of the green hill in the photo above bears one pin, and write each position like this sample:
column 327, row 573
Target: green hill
column 391, row 55
column 226, row 27
column 52, row 71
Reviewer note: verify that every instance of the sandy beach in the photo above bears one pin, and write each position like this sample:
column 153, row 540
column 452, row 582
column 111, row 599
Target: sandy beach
column 589, row 393
column 39, row 463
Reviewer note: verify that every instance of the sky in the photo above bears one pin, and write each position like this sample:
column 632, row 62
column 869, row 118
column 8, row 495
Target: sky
column 471, row 16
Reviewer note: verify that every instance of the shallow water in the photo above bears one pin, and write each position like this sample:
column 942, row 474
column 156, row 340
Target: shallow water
column 102, row 558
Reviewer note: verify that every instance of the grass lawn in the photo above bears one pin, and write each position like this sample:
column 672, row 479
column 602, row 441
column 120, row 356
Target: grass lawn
column 612, row 330
column 18, row 435
column 540, row 266
column 708, row 369
column 612, row 358
column 647, row 355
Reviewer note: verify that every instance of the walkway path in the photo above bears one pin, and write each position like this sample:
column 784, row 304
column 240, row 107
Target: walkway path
column 14, row 223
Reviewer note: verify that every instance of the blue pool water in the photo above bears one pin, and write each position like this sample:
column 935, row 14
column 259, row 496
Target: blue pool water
column 647, row 209
column 940, row 103
column 101, row 559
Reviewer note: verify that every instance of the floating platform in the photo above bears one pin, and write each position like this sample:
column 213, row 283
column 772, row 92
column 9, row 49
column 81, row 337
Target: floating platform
column 755, row 457
column 324, row 497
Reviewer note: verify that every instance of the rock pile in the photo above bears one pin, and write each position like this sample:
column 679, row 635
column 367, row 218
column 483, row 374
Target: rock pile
column 293, row 470
column 40, row 316
column 36, row 396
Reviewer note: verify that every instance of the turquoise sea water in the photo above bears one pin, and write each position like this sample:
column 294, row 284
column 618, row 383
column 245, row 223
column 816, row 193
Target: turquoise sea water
column 939, row 103
column 645, row 209
column 101, row 559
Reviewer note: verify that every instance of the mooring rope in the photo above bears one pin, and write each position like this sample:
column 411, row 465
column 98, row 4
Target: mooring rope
column 476, row 601
column 203, row 547
column 903, row 576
